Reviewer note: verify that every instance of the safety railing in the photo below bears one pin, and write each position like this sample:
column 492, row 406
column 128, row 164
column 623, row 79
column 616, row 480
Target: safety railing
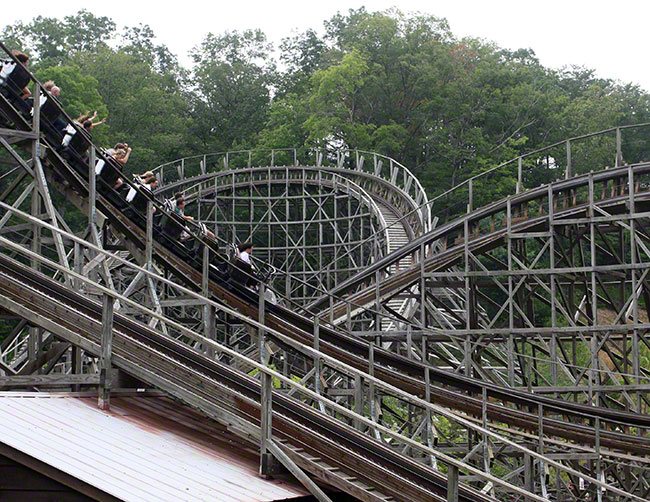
column 368, row 417
column 398, row 185
column 560, row 161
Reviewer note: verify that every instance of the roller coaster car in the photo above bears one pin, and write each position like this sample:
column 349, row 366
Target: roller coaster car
column 75, row 153
column 108, row 171
column 242, row 272
column 172, row 224
column 11, row 86
column 140, row 200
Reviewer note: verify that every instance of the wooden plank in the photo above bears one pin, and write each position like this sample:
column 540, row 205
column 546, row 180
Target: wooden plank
column 297, row 472
column 47, row 359
column 57, row 380
column 336, row 478
column 105, row 376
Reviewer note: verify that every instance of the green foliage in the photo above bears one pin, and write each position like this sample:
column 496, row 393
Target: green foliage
column 232, row 78
column 79, row 92
column 399, row 84
column 51, row 41
column 145, row 109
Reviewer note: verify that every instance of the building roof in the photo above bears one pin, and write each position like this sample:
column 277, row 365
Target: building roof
column 144, row 448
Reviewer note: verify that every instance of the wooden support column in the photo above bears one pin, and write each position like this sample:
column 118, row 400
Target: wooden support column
column 511, row 315
column 374, row 411
column 529, row 482
column 594, row 378
column 423, row 310
column 76, row 365
column 358, row 399
column 431, row 437
column 268, row 463
column 636, row 367
column 467, row 344
column 105, row 382
column 540, row 432
column 149, row 243
column 553, row 281
column 317, row 362
column 209, row 313
column 486, row 443
column 452, row 483
column 599, row 467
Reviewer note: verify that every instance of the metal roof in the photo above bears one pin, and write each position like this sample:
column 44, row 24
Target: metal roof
column 143, row 449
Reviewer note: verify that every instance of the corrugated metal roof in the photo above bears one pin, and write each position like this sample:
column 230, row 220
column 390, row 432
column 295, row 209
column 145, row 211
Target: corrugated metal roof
column 143, row 449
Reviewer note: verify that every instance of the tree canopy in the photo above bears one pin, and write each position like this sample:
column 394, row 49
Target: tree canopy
column 400, row 84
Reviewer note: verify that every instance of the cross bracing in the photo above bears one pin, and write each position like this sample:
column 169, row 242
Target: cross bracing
column 62, row 291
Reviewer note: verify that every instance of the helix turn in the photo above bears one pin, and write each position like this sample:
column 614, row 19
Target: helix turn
column 340, row 372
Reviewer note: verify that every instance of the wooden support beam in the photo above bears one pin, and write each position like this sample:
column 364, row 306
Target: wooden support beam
column 48, row 358
column 105, row 377
column 56, row 380
column 268, row 463
column 452, row 483
column 298, row 473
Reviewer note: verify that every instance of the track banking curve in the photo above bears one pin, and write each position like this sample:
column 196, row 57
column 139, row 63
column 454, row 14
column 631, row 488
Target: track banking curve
column 455, row 390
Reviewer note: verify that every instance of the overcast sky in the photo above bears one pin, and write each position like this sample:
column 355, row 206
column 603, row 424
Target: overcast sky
column 611, row 37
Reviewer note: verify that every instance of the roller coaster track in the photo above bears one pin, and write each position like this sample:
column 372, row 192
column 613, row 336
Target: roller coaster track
column 216, row 389
column 456, row 391
column 302, row 432
column 261, row 192
column 410, row 375
column 484, row 240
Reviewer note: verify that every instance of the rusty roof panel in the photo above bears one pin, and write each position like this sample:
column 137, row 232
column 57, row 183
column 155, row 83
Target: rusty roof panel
column 144, row 448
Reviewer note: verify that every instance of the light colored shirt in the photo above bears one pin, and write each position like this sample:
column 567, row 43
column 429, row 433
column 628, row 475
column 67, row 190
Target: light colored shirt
column 245, row 257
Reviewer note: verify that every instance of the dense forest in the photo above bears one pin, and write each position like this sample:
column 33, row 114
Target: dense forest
column 402, row 85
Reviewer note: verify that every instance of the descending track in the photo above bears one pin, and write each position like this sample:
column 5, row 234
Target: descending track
column 47, row 299
column 318, row 444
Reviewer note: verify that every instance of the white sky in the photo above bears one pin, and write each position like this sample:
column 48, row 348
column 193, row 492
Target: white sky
column 609, row 36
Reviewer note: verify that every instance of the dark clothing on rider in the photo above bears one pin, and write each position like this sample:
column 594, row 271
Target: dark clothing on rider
column 14, row 78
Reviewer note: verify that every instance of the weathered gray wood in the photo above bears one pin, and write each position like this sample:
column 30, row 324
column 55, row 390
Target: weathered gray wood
column 149, row 235
column 452, row 483
column 297, row 472
column 358, row 399
column 267, row 467
column 105, row 376
column 48, row 359
column 55, row 380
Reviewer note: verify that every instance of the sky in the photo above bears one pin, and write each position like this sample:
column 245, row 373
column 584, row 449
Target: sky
column 610, row 37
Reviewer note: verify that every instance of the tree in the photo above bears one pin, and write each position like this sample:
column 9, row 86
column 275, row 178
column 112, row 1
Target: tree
column 145, row 109
column 79, row 94
column 233, row 78
column 301, row 55
column 334, row 103
column 52, row 42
